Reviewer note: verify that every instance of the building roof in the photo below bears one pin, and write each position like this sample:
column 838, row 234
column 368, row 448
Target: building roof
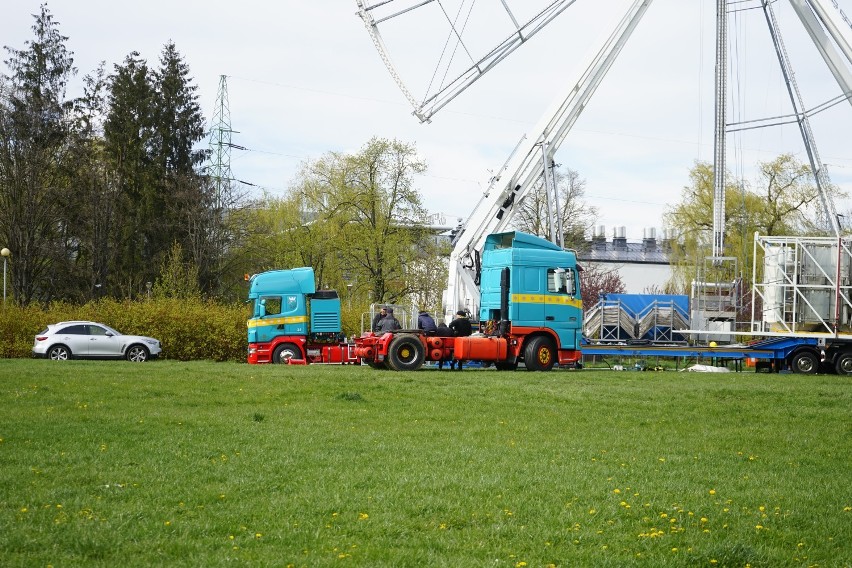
column 618, row 250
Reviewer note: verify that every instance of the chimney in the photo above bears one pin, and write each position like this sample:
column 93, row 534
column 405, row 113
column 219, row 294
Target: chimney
column 619, row 238
column 649, row 239
column 599, row 238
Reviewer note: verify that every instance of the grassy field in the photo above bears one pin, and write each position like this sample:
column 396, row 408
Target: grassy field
column 205, row 464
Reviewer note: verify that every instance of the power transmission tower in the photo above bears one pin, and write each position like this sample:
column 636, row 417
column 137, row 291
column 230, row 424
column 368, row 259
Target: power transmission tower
column 221, row 179
column 219, row 168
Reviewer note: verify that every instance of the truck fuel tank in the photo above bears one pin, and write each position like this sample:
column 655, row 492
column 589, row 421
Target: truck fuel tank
column 481, row 348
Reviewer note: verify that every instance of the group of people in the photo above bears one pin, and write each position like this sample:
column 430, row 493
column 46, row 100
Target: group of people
column 385, row 321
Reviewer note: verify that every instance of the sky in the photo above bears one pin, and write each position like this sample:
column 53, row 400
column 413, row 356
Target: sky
column 304, row 79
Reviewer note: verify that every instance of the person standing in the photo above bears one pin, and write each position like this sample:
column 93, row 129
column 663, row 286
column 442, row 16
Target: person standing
column 461, row 327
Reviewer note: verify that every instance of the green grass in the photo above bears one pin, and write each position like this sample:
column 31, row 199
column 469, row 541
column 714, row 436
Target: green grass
column 200, row 464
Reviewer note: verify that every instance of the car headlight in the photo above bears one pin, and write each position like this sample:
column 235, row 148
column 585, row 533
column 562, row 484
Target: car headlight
column 152, row 342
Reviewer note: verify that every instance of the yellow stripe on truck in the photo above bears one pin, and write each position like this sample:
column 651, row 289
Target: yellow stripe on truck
column 546, row 299
column 276, row 321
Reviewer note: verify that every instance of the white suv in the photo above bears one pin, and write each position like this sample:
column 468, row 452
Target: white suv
column 88, row 339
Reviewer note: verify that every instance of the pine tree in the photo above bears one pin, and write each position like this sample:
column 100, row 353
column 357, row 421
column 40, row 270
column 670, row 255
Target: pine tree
column 128, row 134
column 34, row 131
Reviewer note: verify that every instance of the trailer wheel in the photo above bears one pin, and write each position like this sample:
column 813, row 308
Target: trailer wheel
column 844, row 364
column 405, row 353
column 539, row 354
column 804, row 362
column 284, row 352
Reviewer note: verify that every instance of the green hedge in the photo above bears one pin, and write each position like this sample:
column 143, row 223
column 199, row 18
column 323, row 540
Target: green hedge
column 187, row 329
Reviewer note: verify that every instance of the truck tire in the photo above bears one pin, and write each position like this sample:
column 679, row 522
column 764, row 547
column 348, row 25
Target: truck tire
column 284, row 352
column 804, row 362
column 844, row 363
column 506, row 366
column 377, row 365
column 539, row 354
column 405, row 353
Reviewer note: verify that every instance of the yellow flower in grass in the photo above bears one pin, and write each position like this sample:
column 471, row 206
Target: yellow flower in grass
column 363, row 516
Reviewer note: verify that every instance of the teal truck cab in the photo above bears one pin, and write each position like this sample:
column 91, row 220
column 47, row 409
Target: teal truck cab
column 294, row 322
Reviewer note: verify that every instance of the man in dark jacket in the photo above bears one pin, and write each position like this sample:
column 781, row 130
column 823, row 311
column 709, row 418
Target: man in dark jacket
column 388, row 323
column 461, row 328
column 378, row 318
column 426, row 322
column 461, row 325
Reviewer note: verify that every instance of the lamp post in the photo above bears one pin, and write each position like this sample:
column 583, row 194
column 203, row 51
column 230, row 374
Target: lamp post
column 349, row 293
column 6, row 253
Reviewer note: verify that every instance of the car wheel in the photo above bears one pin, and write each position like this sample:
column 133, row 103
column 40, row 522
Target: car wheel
column 284, row 352
column 137, row 353
column 539, row 355
column 58, row 353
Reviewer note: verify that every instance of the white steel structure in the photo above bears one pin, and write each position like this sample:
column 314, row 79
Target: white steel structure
column 533, row 155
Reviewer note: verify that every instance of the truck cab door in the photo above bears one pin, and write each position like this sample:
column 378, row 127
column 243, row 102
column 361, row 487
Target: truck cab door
column 562, row 306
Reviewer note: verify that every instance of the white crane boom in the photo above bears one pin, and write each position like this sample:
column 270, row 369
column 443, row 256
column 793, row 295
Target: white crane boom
column 513, row 181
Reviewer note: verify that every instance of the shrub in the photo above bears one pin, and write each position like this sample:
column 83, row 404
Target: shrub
column 188, row 329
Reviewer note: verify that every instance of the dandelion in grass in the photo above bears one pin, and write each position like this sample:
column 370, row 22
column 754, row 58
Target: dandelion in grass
column 363, row 516
column 712, row 492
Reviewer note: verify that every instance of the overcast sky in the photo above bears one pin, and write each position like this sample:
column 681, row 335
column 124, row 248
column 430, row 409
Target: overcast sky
column 305, row 79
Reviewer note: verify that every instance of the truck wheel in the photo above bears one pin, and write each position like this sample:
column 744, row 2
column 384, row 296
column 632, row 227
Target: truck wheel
column 377, row 365
column 284, row 352
column 405, row 353
column 539, row 354
column 844, row 364
column 505, row 366
column 805, row 363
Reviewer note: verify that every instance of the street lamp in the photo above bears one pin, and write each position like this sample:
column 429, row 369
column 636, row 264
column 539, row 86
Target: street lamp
column 349, row 293
column 6, row 253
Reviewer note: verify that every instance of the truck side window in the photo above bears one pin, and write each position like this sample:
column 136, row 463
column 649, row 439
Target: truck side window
column 273, row 305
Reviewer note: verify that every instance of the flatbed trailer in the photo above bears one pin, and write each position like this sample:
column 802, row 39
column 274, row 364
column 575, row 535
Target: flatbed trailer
column 798, row 354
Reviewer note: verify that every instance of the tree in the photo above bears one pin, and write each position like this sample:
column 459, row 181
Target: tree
column 368, row 206
column 34, row 131
column 578, row 217
column 128, row 131
column 783, row 203
column 596, row 281
column 179, row 194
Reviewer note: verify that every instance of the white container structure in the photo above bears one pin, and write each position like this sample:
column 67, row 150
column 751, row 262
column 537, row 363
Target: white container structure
column 803, row 287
